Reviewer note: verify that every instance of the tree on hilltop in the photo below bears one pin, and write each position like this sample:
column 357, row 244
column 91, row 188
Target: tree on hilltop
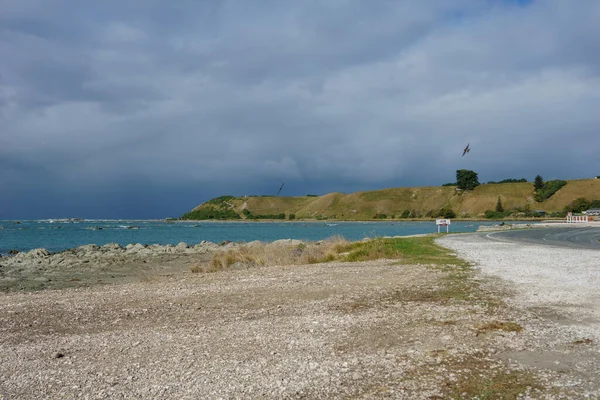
column 466, row 179
column 538, row 183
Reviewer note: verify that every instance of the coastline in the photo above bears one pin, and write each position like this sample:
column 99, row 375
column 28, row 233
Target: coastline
column 167, row 220
column 57, row 236
column 334, row 330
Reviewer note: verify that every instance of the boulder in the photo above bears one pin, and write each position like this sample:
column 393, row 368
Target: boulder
column 290, row 242
column 134, row 248
column 146, row 252
column 112, row 247
column 39, row 253
column 88, row 248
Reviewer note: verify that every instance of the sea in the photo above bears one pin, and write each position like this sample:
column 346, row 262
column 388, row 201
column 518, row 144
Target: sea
column 58, row 235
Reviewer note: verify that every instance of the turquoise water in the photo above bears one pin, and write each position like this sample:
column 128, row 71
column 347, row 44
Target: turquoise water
column 61, row 235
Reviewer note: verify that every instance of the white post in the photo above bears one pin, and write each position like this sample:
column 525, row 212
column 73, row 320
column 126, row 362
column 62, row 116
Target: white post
column 573, row 219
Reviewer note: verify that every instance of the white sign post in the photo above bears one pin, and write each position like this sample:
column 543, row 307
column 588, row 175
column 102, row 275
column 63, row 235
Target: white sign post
column 443, row 222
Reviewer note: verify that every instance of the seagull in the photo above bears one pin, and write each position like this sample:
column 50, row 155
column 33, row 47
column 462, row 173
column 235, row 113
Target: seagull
column 466, row 150
column 280, row 189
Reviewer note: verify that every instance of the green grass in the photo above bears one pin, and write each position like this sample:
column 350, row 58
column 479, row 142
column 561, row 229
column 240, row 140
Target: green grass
column 417, row 250
column 456, row 284
column 476, row 382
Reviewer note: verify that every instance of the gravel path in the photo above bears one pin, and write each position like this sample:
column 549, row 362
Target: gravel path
column 559, row 288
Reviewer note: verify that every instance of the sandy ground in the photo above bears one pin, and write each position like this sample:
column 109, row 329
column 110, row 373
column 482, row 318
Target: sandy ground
column 336, row 330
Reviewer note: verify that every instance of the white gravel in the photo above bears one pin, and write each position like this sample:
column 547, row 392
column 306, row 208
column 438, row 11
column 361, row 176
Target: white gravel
column 568, row 279
column 557, row 289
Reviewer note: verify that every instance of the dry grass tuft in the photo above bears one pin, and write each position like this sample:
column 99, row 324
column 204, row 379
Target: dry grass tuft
column 269, row 254
column 449, row 322
column 421, row 250
column 582, row 341
column 194, row 269
column 499, row 326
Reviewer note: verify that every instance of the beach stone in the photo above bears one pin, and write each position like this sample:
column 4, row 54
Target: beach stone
column 112, row 246
column 58, row 260
column 146, row 252
column 204, row 245
column 238, row 265
column 182, row 245
column 88, row 248
column 134, row 248
column 39, row 252
column 291, row 242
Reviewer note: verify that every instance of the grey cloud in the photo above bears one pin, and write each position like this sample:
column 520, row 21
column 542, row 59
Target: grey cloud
column 228, row 96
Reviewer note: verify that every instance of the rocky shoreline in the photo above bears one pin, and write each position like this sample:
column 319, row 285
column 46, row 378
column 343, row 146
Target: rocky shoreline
column 111, row 263
column 91, row 264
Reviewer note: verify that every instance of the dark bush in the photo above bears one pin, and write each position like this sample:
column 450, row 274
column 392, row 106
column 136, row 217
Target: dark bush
column 581, row 204
column 557, row 214
column 490, row 214
column 220, row 201
column 446, row 212
column 548, row 189
column 210, row 213
column 508, row 181
column 266, row 216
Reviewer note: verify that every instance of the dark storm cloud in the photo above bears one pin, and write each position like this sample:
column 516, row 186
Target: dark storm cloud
column 103, row 104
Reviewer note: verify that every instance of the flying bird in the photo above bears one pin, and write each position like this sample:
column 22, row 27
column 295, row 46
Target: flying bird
column 466, row 150
column 280, row 189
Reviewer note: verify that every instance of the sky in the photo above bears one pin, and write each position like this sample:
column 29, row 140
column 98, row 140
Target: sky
column 147, row 108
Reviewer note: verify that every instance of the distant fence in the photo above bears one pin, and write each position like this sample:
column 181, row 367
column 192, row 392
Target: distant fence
column 573, row 219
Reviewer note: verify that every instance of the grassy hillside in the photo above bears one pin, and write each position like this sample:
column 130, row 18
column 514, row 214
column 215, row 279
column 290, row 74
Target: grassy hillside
column 420, row 202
